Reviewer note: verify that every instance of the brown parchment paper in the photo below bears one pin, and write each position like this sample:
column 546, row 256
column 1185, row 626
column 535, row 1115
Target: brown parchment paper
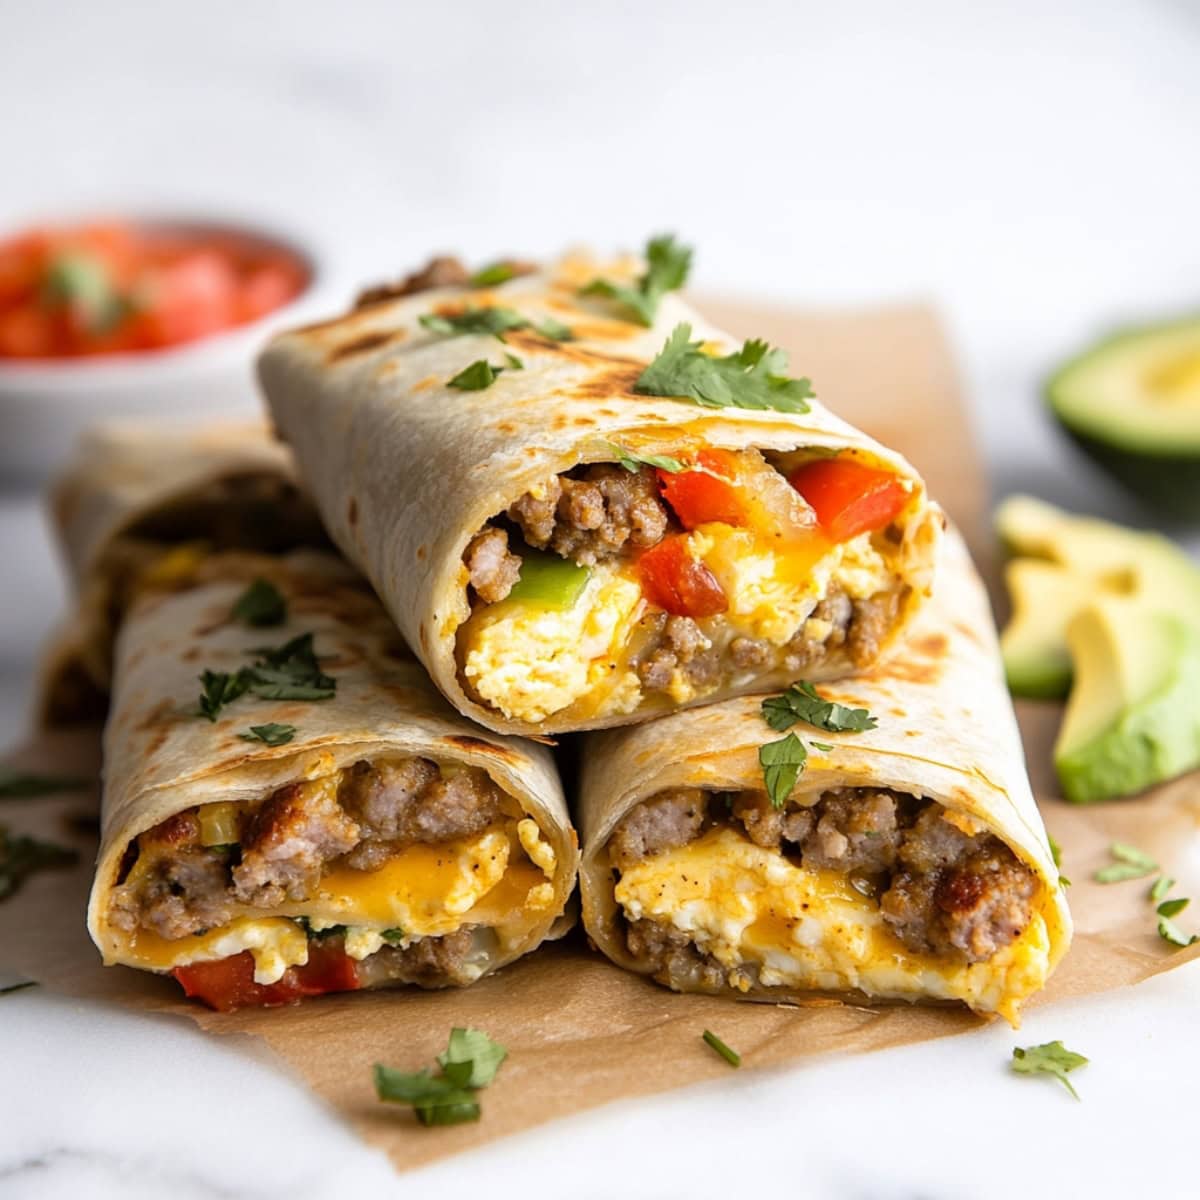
column 579, row 1031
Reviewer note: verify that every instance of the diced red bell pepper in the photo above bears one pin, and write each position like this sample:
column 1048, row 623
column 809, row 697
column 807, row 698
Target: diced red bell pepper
column 228, row 983
column 698, row 497
column 678, row 583
column 848, row 497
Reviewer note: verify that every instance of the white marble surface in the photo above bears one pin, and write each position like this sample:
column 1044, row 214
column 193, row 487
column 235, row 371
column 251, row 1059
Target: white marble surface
column 1032, row 168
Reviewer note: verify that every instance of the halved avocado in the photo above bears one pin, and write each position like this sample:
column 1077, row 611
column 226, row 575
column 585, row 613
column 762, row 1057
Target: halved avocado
column 1132, row 402
column 1065, row 561
column 1133, row 719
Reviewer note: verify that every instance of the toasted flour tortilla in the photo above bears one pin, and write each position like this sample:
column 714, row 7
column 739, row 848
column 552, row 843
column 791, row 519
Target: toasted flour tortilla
column 134, row 492
column 406, row 469
column 946, row 732
column 162, row 757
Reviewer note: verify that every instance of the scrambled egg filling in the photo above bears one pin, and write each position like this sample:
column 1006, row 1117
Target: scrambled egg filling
column 422, row 891
column 810, row 930
column 531, row 661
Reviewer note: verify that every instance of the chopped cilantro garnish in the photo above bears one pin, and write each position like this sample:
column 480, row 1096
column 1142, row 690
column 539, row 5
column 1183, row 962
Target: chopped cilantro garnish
column 514, row 362
column 495, row 320
column 732, row 1057
column 824, row 746
column 273, row 734
column 20, row 785
column 393, row 936
column 469, row 1063
column 474, row 1050
column 22, row 856
column 667, row 265
column 261, row 605
column 493, row 274
column 750, row 378
column 479, row 375
column 802, row 703
column 220, row 688
column 782, row 762
column 1051, row 1058
column 1056, row 855
column 553, row 329
column 1130, row 863
column 634, row 462
column 287, row 672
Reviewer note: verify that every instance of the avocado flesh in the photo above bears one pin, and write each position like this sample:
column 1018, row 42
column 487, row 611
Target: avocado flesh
column 1065, row 562
column 1133, row 719
column 1037, row 661
column 1133, row 404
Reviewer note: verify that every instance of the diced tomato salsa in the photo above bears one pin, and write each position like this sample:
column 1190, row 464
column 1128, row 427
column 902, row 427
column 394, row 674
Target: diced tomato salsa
column 116, row 288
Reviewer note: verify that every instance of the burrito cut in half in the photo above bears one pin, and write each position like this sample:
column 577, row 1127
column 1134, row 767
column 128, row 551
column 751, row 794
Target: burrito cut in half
column 580, row 520
column 310, row 816
column 145, row 503
column 907, row 862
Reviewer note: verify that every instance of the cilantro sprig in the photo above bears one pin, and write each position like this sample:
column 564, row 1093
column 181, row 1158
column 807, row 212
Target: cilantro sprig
column 634, row 462
column 752, row 377
column 468, row 1063
column 782, row 762
column 287, row 672
column 494, row 320
column 668, row 263
column 801, row 702
column 272, row 734
column 1056, row 855
column 1050, row 1058
column 494, row 274
column 261, row 605
column 482, row 374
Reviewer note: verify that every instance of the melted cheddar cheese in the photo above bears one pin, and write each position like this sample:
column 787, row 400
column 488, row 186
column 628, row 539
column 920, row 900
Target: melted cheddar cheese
column 501, row 878
column 810, row 930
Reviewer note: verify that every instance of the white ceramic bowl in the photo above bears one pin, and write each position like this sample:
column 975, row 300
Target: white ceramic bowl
column 44, row 406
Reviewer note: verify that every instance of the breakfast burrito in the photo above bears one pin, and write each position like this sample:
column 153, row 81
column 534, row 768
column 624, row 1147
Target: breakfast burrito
column 887, row 847
column 143, row 503
column 290, row 808
column 581, row 519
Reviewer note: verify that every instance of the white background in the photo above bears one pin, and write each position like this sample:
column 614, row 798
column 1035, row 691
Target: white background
column 1033, row 168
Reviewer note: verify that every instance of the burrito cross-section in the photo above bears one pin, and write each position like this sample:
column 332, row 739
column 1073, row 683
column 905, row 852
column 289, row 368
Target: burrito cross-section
column 334, row 825
column 567, row 543
column 907, row 862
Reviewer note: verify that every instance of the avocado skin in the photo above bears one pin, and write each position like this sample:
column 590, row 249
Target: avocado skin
column 1168, row 483
column 1031, row 682
column 1152, row 741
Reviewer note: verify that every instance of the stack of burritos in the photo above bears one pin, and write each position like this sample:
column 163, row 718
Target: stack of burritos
column 494, row 513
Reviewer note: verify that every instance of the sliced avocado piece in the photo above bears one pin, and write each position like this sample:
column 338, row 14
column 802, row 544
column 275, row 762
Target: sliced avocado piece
column 1133, row 719
column 1066, row 561
column 1044, row 596
column 1132, row 402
